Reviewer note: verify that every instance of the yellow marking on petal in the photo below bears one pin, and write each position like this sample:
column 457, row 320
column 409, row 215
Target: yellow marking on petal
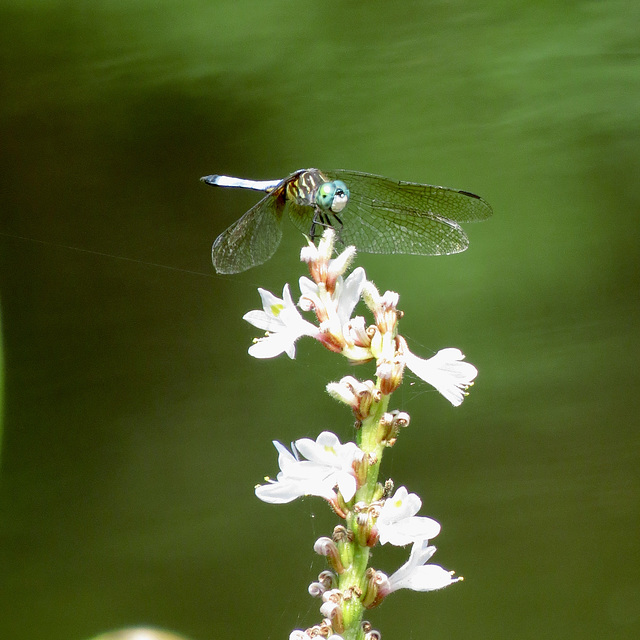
column 330, row 449
column 276, row 309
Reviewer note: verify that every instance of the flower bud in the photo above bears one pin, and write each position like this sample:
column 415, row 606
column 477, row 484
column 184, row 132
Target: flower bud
column 390, row 374
column 358, row 395
column 329, row 610
column 383, row 307
column 361, row 467
column 365, row 531
column 332, row 608
column 338, row 266
column 386, row 428
column 369, row 632
column 326, row 580
column 342, row 534
column 401, row 418
column 327, row 547
column 373, row 582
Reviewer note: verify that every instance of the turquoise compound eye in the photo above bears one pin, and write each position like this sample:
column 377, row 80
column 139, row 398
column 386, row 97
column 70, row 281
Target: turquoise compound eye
column 326, row 192
column 341, row 187
column 340, row 196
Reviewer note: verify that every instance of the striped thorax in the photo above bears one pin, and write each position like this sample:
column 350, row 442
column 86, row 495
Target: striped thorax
column 303, row 189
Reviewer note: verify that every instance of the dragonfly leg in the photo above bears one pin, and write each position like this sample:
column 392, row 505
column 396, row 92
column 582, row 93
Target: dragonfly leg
column 321, row 220
column 338, row 227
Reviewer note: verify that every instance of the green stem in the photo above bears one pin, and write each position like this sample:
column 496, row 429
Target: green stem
column 367, row 440
column 352, row 609
column 354, row 577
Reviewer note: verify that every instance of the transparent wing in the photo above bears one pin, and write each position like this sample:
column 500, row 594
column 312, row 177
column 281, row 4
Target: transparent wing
column 301, row 216
column 253, row 239
column 379, row 229
column 452, row 204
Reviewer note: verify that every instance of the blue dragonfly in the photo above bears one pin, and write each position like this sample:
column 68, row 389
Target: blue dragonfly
column 376, row 214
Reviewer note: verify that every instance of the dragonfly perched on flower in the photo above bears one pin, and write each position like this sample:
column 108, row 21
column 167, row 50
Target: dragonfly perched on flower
column 376, row 214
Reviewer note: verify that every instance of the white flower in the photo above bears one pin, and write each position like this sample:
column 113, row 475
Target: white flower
column 282, row 321
column 328, row 464
column 339, row 305
column 398, row 523
column 445, row 371
column 417, row 575
column 295, row 479
column 334, row 460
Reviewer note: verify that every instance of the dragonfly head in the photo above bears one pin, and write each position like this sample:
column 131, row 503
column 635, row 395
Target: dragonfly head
column 332, row 196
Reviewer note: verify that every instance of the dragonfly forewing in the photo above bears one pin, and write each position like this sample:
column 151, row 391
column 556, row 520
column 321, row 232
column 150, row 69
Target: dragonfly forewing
column 452, row 204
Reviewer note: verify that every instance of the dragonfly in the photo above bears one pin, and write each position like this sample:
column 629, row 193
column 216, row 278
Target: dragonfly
column 374, row 213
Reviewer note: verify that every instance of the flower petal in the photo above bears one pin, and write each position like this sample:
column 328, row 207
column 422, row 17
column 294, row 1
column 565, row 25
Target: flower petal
column 417, row 575
column 427, row 578
column 445, row 371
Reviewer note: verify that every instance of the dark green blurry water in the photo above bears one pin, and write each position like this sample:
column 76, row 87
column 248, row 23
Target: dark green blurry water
column 135, row 424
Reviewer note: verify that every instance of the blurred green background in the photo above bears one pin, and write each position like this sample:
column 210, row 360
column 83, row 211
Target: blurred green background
column 135, row 423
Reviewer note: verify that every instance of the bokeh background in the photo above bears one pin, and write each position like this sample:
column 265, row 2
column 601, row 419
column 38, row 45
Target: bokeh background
column 135, row 423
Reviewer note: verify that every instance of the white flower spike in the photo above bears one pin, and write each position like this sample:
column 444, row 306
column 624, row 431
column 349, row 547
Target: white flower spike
column 347, row 475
